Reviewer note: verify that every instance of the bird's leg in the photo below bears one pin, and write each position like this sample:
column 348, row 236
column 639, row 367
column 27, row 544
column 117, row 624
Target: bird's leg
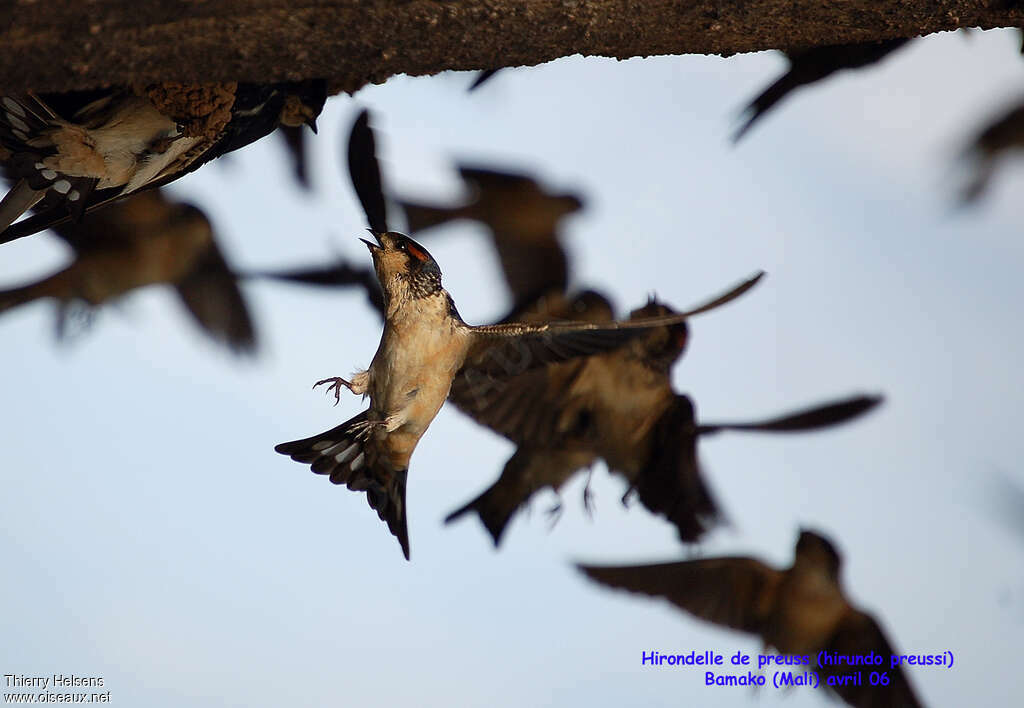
column 358, row 385
column 554, row 514
column 363, row 428
column 588, row 496
column 336, row 383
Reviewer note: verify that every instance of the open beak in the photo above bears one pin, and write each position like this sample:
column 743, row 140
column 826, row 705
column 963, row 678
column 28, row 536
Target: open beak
column 370, row 244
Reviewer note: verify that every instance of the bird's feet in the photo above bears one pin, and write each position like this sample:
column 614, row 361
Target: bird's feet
column 588, row 496
column 554, row 514
column 336, row 383
column 627, row 498
column 361, row 430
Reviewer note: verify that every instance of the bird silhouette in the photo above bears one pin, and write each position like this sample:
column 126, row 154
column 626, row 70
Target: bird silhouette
column 147, row 240
column 523, row 219
column 999, row 139
column 800, row 611
column 809, row 66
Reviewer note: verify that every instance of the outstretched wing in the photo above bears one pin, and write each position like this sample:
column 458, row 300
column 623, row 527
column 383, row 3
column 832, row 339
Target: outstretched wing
column 671, row 483
column 731, row 592
column 365, row 173
column 813, row 418
column 858, row 635
column 211, row 295
column 506, row 350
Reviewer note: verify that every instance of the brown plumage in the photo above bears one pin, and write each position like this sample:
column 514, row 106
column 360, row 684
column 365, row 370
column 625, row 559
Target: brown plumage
column 800, row 611
column 148, row 240
column 999, row 139
column 523, row 219
column 424, row 347
column 68, row 154
column 617, row 406
column 809, row 66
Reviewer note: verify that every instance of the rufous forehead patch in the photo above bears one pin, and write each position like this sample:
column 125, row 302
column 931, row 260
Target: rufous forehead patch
column 416, row 252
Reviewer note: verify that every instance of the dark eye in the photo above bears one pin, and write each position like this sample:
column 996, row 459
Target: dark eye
column 401, row 246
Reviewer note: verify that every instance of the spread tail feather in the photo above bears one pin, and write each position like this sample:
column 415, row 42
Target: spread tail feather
column 495, row 506
column 354, row 461
column 528, row 471
column 16, row 202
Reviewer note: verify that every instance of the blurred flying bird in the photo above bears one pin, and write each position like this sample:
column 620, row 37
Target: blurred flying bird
column 147, row 240
column 68, row 154
column 523, row 219
column 800, row 611
column 298, row 151
column 620, row 407
column 338, row 274
column 998, row 140
column 811, row 65
column 425, row 345
column 482, row 77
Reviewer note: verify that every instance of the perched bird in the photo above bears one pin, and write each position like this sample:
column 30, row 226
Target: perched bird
column 68, row 154
column 999, row 139
column 425, row 345
column 808, row 66
column 800, row 611
column 617, row 406
column 147, row 240
column 523, row 219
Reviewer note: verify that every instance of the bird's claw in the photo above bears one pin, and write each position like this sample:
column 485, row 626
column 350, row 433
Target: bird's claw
column 361, row 430
column 588, row 496
column 588, row 502
column 336, row 383
column 627, row 496
column 554, row 514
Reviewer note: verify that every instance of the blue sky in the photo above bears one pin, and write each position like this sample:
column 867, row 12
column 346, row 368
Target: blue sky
column 151, row 535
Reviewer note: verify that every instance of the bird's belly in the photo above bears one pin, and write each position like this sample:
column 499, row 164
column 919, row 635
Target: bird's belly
column 411, row 374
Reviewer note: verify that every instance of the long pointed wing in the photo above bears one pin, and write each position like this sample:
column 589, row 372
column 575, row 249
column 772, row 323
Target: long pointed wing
column 211, row 294
column 822, row 416
column 505, row 350
column 364, row 170
column 671, row 483
column 733, row 592
column 858, row 635
column 340, row 274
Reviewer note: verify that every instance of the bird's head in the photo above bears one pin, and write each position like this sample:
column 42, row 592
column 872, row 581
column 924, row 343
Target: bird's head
column 303, row 102
column 404, row 267
column 662, row 347
column 816, row 550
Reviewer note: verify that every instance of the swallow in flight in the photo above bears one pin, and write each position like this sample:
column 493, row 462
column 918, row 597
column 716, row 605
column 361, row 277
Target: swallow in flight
column 800, row 611
column 809, row 66
column 424, row 347
column 618, row 406
column 147, row 240
column 523, row 218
